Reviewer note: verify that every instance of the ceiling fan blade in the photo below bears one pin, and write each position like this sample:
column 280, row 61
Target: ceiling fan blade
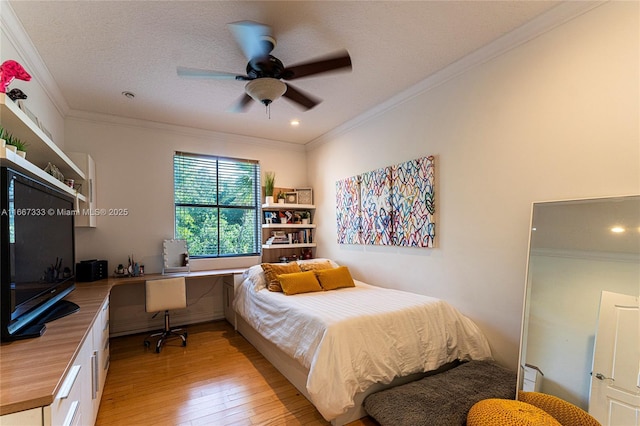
column 303, row 99
column 254, row 39
column 199, row 73
column 242, row 105
column 334, row 62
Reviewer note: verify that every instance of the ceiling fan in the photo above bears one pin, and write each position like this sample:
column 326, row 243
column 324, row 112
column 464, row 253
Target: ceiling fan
column 266, row 72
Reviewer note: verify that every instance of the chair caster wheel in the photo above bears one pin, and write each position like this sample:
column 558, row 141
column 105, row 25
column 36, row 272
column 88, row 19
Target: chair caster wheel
column 184, row 343
column 147, row 344
column 157, row 350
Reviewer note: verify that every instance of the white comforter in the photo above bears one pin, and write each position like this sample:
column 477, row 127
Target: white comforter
column 353, row 337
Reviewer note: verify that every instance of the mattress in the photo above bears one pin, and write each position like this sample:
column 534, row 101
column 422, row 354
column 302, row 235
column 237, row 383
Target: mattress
column 351, row 338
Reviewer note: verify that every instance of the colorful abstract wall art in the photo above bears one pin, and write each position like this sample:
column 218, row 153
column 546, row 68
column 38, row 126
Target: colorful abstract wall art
column 348, row 210
column 389, row 206
column 413, row 203
column 375, row 190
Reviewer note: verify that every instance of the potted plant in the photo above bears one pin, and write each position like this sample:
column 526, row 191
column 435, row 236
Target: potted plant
column 281, row 197
column 305, row 216
column 21, row 147
column 269, row 180
column 10, row 141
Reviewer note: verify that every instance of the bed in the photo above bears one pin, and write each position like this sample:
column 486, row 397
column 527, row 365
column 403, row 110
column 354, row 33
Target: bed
column 340, row 345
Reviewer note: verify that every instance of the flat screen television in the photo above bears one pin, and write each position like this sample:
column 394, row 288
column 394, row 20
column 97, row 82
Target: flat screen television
column 37, row 255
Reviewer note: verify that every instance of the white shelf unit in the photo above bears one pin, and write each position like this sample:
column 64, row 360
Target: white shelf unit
column 41, row 149
column 272, row 252
column 287, row 246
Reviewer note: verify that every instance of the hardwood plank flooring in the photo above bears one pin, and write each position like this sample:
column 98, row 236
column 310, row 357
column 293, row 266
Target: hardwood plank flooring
column 217, row 379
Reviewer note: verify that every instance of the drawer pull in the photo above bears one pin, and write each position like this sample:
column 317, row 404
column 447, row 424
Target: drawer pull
column 65, row 389
column 71, row 414
column 94, row 375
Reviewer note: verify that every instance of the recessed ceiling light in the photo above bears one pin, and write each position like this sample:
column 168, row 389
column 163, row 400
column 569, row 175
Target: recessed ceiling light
column 128, row 95
column 295, row 123
column 617, row 229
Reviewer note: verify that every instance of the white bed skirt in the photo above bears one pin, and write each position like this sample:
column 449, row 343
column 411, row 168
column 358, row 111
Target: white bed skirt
column 297, row 374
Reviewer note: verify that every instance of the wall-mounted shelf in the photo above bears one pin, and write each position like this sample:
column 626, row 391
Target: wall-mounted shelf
column 41, row 149
column 280, row 206
column 286, row 246
column 9, row 158
column 301, row 232
column 288, row 225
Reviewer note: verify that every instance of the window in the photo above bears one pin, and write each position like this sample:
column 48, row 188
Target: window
column 217, row 205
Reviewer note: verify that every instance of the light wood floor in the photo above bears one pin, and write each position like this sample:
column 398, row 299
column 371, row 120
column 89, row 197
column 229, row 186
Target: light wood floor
column 217, row 379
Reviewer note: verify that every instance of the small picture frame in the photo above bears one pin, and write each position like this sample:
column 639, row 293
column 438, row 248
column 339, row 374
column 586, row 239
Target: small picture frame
column 291, row 197
column 46, row 132
column 305, row 196
column 28, row 112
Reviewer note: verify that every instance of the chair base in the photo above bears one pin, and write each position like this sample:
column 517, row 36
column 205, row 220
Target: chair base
column 165, row 335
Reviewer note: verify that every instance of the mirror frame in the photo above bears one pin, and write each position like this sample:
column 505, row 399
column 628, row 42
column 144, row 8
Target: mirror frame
column 171, row 251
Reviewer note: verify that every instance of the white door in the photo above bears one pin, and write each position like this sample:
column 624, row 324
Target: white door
column 615, row 379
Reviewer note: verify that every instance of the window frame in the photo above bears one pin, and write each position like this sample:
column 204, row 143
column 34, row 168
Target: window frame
column 218, row 206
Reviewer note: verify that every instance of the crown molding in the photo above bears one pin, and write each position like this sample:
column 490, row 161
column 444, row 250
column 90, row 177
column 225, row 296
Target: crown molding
column 18, row 37
column 209, row 135
column 553, row 18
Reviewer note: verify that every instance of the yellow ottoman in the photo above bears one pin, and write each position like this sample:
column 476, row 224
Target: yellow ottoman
column 508, row 412
column 564, row 412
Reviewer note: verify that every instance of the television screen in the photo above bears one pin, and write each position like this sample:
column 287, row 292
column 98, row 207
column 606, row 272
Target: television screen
column 37, row 222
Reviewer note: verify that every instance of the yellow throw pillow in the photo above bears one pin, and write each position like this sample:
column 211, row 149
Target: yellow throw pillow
column 316, row 266
column 330, row 279
column 299, row 282
column 272, row 270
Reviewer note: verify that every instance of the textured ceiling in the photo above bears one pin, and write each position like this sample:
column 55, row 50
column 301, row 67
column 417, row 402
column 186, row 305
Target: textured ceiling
column 95, row 50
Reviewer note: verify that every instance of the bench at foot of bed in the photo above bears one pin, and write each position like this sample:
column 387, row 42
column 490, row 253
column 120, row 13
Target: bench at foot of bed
column 443, row 399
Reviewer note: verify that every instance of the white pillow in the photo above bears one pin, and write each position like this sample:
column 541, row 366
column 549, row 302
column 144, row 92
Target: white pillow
column 255, row 276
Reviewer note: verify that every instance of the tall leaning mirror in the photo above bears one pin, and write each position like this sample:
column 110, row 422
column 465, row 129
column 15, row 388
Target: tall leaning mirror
column 580, row 338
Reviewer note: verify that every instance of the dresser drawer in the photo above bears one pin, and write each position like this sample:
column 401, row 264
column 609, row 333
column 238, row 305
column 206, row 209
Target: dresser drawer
column 65, row 409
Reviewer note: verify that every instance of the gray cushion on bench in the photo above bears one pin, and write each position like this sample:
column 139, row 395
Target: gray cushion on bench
column 443, row 399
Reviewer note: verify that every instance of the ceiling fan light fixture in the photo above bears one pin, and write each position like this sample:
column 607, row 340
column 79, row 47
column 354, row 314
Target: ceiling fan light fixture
column 266, row 89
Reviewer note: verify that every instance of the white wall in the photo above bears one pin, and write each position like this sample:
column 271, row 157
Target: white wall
column 555, row 118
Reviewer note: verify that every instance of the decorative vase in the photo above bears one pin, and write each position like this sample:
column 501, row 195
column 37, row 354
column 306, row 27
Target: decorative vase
column 12, row 148
column 280, row 200
column 268, row 199
column 22, row 154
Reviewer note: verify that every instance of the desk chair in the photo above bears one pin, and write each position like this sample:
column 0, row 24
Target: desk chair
column 163, row 295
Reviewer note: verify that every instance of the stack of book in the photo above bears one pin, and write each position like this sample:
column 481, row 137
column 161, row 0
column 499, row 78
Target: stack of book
column 278, row 237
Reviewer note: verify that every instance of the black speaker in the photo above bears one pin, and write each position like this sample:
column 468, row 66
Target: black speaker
column 91, row 270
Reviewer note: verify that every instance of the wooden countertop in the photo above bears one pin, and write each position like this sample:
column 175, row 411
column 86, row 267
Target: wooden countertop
column 193, row 274
column 32, row 370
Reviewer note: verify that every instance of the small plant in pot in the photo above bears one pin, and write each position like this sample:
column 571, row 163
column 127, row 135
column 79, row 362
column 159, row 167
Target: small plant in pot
column 20, row 146
column 305, row 216
column 14, row 144
column 269, row 180
column 281, row 197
